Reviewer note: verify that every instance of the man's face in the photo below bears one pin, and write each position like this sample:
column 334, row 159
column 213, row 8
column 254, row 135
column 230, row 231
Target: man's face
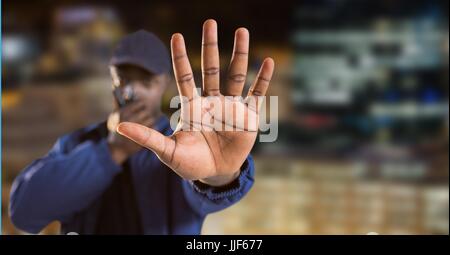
column 147, row 88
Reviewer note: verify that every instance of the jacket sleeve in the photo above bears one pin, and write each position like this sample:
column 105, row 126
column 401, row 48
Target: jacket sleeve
column 205, row 199
column 60, row 184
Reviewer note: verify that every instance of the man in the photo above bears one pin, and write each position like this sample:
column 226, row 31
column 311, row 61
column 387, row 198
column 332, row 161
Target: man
column 96, row 181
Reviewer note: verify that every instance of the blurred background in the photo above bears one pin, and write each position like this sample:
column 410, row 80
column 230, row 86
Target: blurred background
column 363, row 102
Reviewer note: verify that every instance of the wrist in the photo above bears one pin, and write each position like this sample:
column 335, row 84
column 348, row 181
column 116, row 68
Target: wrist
column 220, row 180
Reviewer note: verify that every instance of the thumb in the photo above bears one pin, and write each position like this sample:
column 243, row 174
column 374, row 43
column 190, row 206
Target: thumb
column 146, row 137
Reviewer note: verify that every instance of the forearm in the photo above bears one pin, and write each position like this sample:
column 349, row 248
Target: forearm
column 53, row 188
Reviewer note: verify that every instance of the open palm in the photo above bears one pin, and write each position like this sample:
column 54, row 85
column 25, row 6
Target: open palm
column 213, row 147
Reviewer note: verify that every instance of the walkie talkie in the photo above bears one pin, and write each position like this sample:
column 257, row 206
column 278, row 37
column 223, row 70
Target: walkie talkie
column 124, row 96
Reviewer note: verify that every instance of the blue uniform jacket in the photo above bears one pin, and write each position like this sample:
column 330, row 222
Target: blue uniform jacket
column 69, row 183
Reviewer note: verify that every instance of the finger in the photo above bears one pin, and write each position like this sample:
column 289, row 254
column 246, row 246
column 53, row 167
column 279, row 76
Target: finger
column 182, row 67
column 210, row 59
column 133, row 107
column 238, row 65
column 129, row 112
column 262, row 81
column 141, row 117
column 147, row 137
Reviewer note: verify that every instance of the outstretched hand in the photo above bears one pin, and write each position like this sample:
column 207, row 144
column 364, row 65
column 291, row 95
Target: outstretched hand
column 208, row 153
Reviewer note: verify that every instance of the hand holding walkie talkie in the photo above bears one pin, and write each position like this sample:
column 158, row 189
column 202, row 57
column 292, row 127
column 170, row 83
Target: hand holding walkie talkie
column 129, row 108
column 124, row 96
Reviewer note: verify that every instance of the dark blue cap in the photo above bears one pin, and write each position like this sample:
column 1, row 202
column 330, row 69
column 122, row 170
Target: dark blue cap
column 142, row 49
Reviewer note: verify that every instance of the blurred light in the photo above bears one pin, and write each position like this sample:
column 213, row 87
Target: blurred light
column 14, row 48
column 76, row 15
